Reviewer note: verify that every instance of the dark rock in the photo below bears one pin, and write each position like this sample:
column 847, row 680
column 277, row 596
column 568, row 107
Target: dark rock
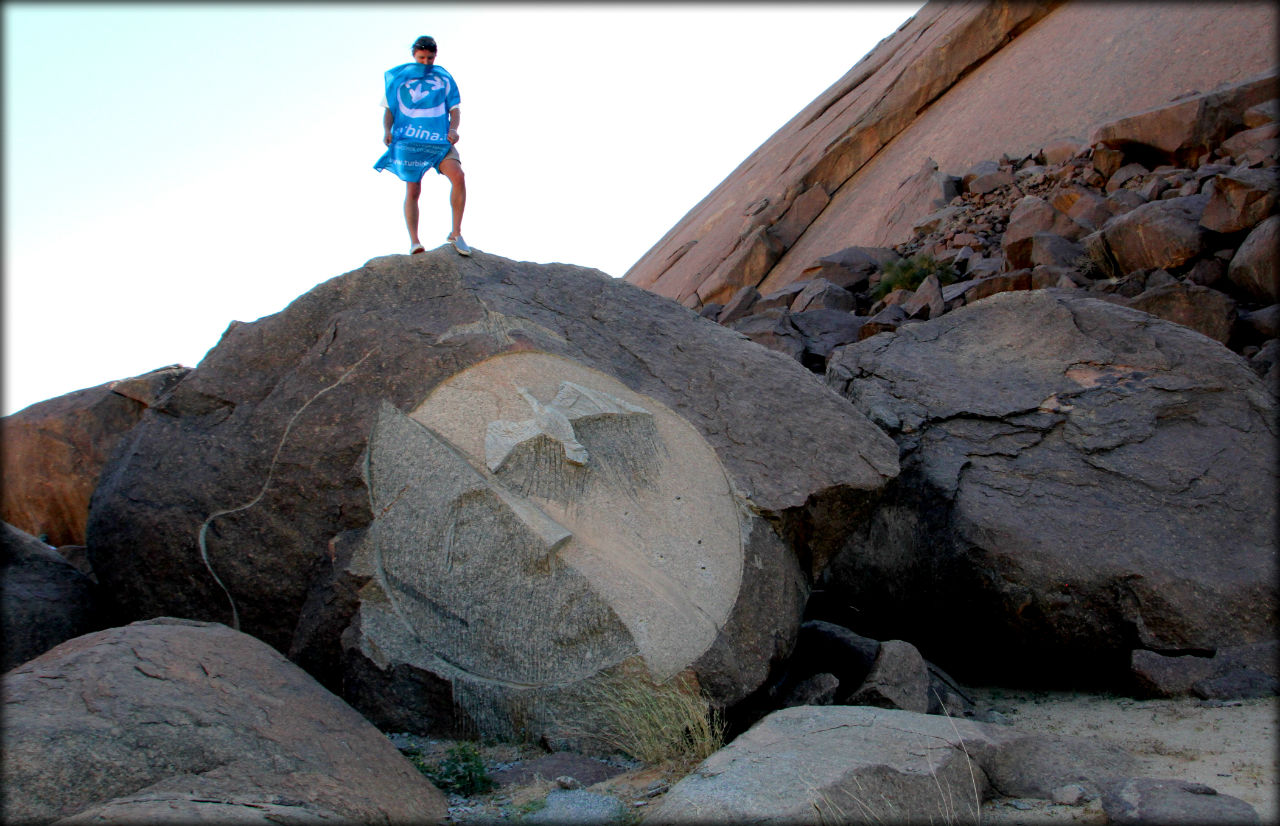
column 890, row 318
column 818, row 690
column 1241, row 199
column 740, row 306
column 1019, row 279
column 1124, row 174
column 1050, row 250
column 898, row 679
column 1255, row 268
column 926, row 302
column 1207, row 272
column 851, row 267
column 1204, row 310
column 1157, row 234
column 45, row 599
column 1148, row 800
column 821, row 294
column 822, row 331
column 824, row 647
column 1030, row 216
column 1161, row 675
column 1263, row 323
column 1027, row 487
column 772, row 329
column 111, row 720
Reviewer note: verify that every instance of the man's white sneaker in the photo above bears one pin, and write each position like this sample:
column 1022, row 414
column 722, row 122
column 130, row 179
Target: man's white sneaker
column 460, row 245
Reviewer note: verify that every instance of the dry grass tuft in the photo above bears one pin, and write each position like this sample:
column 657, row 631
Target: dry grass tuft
column 651, row 722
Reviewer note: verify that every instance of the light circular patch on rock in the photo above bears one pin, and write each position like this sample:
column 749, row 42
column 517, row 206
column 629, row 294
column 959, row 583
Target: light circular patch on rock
column 611, row 517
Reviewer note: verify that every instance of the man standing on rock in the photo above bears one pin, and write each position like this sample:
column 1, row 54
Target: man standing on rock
column 420, row 127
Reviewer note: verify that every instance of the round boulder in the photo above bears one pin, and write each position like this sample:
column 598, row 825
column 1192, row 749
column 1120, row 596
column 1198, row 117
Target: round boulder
column 1079, row 479
column 461, row 490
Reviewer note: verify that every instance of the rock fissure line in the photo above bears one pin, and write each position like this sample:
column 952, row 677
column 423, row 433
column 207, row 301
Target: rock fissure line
column 266, row 483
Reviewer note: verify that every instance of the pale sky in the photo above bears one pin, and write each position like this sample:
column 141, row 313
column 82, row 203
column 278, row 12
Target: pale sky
column 171, row 168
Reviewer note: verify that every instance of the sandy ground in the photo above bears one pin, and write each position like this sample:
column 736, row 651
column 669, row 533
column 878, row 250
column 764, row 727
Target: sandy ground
column 1233, row 747
column 1230, row 746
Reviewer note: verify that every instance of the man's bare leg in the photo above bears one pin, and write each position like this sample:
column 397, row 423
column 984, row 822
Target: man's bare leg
column 452, row 170
column 412, row 191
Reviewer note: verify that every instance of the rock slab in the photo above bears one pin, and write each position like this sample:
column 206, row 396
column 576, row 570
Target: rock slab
column 171, row 715
column 1080, row 475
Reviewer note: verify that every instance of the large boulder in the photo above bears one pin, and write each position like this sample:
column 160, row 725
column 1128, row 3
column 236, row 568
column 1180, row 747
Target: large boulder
column 1079, row 479
column 953, row 84
column 167, row 716
column 54, row 450
column 858, row 764
column 463, row 489
column 45, row 599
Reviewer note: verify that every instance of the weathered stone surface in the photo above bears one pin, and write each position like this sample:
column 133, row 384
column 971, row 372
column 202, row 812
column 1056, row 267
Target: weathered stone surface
column 1149, row 800
column 171, row 714
column 54, row 450
column 1035, row 765
column 740, row 306
column 954, row 84
column 1255, row 268
column 45, row 599
column 822, row 331
column 1051, row 250
column 835, row 764
column 1241, row 198
column 495, row 480
column 898, row 679
column 1234, row 672
column 842, row 764
column 818, row 690
column 1075, row 474
column 1204, row 310
column 926, row 302
column 850, row 267
column 1033, row 216
column 824, row 647
column 1019, row 279
column 1157, row 234
column 821, row 294
column 772, row 329
column 1183, row 131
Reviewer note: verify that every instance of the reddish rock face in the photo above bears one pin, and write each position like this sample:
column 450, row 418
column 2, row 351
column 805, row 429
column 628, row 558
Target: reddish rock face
column 54, row 451
column 952, row 83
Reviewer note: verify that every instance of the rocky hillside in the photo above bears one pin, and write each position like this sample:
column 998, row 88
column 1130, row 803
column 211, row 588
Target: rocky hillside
column 1011, row 423
column 959, row 83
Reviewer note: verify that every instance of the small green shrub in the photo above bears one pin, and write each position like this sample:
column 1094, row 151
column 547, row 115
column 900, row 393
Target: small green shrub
column 460, row 772
column 909, row 273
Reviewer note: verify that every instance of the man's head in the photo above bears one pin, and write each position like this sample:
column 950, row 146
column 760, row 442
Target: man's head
column 424, row 50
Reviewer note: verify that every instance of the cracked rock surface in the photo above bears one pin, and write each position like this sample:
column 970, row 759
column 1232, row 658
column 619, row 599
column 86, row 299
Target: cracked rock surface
column 1079, row 479
column 326, row 472
column 172, row 719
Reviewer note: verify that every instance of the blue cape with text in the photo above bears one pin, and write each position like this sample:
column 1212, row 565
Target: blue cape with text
column 420, row 98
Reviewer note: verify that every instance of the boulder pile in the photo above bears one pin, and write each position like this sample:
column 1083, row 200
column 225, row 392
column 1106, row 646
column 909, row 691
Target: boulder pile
column 1013, row 420
column 1170, row 211
column 463, row 491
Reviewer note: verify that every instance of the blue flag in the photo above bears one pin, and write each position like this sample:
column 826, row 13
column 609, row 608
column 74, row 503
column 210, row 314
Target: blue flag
column 420, row 98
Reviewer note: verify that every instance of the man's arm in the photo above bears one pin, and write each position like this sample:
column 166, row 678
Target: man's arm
column 455, row 117
column 388, row 119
